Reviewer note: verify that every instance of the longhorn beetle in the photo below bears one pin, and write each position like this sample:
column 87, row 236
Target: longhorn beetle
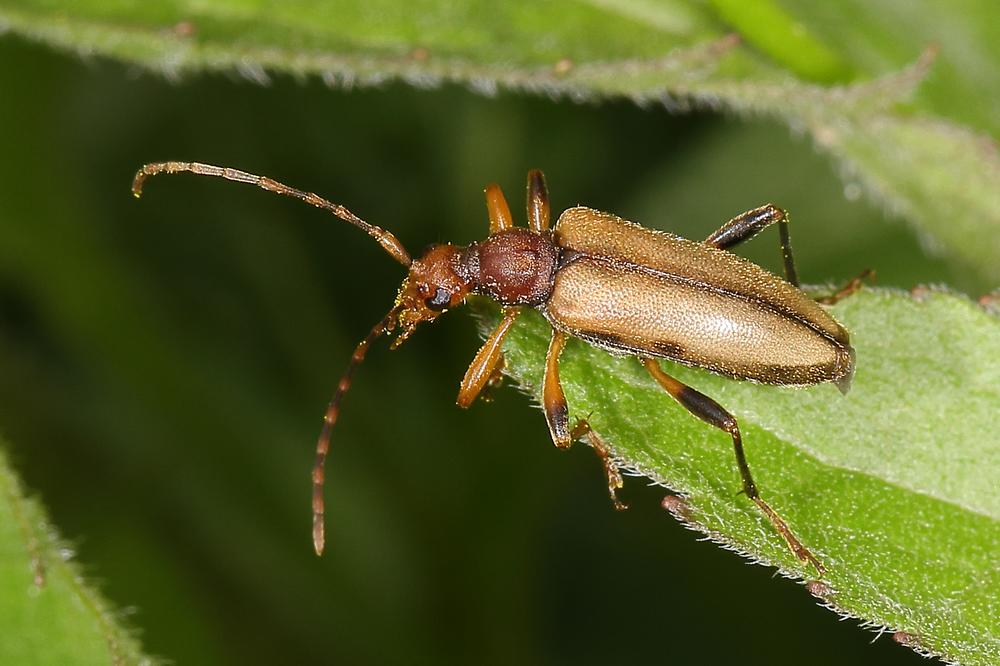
column 616, row 285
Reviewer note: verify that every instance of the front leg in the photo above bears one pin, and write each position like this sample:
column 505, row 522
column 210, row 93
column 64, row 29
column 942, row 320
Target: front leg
column 485, row 367
column 499, row 211
column 557, row 415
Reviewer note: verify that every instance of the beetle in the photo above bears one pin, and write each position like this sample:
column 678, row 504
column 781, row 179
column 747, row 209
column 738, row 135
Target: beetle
column 616, row 285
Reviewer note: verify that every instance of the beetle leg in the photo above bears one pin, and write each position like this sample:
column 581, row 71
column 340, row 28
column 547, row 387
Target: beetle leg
column 611, row 472
column 496, row 205
column 712, row 413
column 496, row 378
column 747, row 225
column 557, row 416
column 848, row 289
column 553, row 399
column 486, row 365
column 538, row 201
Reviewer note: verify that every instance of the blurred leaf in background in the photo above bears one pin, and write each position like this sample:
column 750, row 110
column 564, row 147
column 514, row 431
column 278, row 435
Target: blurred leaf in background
column 165, row 363
column 50, row 615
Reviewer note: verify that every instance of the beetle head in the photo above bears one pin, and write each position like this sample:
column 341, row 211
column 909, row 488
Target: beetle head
column 437, row 282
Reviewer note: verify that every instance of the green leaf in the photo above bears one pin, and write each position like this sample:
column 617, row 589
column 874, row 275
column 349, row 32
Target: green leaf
column 49, row 614
column 925, row 158
column 775, row 32
column 893, row 487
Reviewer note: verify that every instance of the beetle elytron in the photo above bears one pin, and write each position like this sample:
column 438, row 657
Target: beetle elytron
column 616, row 285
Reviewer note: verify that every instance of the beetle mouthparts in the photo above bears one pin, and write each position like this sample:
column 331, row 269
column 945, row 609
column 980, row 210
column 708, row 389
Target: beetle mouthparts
column 404, row 332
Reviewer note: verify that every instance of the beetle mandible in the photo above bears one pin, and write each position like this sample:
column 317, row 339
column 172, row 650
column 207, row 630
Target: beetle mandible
column 616, row 285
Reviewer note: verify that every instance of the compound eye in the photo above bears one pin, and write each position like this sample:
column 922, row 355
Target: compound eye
column 440, row 300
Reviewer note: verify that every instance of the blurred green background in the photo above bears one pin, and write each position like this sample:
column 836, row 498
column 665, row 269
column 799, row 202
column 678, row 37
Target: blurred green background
column 166, row 363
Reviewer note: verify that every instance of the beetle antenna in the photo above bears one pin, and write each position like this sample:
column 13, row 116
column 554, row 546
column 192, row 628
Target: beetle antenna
column 332, row 411
column 388, row 242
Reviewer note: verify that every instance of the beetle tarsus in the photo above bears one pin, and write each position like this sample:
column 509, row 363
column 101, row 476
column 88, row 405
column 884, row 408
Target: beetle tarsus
column 794, row 544
column 611, row 470
column 849, row 289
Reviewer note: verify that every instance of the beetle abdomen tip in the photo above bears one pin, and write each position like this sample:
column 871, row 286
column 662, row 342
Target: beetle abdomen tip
column 844, row 383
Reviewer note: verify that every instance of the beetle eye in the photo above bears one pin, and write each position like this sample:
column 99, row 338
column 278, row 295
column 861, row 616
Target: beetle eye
column 440, row 300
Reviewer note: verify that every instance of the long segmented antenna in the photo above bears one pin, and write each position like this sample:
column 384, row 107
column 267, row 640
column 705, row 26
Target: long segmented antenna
column 330, row 418
column 388, row 242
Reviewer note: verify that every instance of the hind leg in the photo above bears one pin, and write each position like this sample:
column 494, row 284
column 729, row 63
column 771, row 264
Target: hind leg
column 712, row 413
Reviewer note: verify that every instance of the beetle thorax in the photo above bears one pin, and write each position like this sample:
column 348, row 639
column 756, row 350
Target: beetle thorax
column 515, row 266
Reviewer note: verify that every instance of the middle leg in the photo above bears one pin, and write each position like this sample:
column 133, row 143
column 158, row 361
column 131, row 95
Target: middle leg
column 538, row 202
column 557, row 415
column 611, row 472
